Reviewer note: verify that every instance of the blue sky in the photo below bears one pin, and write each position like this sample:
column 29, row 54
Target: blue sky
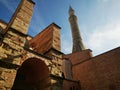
column 99, row 21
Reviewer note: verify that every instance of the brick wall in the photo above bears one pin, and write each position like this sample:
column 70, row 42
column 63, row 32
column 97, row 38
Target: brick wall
column 79, row 57
column 99, row 73
column 47, row 39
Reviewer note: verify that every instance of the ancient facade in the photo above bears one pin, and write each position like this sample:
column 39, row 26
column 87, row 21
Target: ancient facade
column 37, row 63
column 18, row 47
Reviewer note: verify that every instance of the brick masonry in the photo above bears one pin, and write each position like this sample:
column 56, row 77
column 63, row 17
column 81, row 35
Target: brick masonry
column 100, row 72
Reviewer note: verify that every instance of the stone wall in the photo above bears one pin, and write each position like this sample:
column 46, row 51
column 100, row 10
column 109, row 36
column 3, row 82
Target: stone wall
column 54, row 63
column 13, row 51
column 7, row 77
column 3, row 24
column 11, row 48
column 16, row 47
column 22, row 16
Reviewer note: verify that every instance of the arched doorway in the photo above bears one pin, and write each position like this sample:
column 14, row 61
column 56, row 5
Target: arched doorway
column 32, row 75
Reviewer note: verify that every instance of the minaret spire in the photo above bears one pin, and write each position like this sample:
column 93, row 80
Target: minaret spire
column 71, row 11
column 77, row 40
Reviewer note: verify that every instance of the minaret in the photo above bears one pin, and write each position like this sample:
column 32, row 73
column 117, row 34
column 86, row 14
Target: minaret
column 77, row 40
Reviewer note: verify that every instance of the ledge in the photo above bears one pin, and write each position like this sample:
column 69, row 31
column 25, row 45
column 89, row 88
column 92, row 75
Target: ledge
column 62, row 78
column 8, row 65
column 36, row 53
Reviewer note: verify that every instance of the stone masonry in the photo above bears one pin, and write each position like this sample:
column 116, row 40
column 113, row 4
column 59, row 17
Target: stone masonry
column 15, row 47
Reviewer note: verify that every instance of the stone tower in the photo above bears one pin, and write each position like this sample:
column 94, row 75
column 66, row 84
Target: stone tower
column 77, row 40
column 13, row 42
column 22, row 16
column 16, row 31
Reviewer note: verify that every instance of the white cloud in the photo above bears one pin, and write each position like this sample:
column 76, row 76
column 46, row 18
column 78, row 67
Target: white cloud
column 105, row 38
column 103, row 0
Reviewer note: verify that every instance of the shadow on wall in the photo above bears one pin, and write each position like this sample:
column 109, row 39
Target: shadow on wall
column 32, row 75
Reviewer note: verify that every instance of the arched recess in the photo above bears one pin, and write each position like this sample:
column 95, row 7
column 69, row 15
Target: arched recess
column 32, row 75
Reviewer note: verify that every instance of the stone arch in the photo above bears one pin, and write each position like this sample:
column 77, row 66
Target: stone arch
column 32, row 75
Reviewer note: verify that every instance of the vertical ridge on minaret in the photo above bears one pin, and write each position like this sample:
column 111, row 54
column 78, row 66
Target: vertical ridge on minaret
column 77, row 40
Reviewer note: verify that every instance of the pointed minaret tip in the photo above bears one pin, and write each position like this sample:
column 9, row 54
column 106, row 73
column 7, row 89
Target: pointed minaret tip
column 71, row 10
column 70, row 7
